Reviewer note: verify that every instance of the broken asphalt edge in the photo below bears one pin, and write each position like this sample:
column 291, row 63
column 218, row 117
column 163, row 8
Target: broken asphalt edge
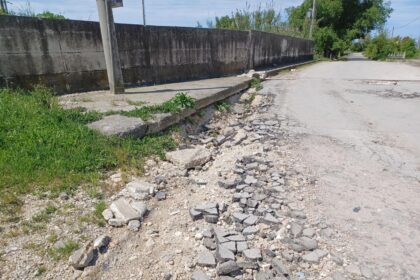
column 123, row 126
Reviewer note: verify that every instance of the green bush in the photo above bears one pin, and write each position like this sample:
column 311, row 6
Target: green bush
column 381, row 47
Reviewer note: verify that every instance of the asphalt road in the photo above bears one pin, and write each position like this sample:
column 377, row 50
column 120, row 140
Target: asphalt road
column 358, row 128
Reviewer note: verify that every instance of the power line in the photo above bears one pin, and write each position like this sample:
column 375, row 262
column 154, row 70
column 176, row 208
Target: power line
column 407, row 24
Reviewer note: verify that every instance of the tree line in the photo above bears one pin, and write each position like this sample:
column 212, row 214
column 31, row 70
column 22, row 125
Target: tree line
column 339, row 26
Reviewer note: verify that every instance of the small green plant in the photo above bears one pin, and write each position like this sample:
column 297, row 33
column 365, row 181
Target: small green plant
column 45, row 215
column 180, row 101
column 40, row 270
column 135, row 103
column 222, row 106
column 63, row 252
column 256, row 83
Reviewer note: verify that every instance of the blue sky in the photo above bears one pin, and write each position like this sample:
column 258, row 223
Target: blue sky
column 188, row 12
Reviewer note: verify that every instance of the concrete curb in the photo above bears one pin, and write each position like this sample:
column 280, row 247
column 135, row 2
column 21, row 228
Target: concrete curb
column 125, row 126
column 273, row 72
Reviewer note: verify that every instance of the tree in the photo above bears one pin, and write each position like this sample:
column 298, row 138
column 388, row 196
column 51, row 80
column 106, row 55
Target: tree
column 340, row 20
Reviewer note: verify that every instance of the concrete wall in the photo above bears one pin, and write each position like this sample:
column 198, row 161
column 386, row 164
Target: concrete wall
column 67, row 55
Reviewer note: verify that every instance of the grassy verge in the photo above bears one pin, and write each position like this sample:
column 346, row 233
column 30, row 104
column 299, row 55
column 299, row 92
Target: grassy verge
column 46, row 148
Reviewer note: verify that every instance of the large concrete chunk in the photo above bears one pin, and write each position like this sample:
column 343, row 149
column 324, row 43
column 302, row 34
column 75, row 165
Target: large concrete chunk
column 189, row 158
column 82, row 257
column 123, row 211
column 120, row 126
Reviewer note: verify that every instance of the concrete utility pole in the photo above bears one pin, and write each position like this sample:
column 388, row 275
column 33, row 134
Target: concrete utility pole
column 144, row 13
column 3, row 5
column 109, row 42
column 311, row 28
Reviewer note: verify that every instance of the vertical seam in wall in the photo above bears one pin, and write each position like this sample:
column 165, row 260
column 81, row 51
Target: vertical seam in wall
column 61, row 51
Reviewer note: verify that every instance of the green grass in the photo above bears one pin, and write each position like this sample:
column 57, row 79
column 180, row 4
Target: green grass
column 63, row 253
column 46, row 148
column 222, row 106
column 256, row 83
column 180, row 101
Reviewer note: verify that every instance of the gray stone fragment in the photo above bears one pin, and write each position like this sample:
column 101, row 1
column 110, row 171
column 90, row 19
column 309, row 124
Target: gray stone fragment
column 138, row 188
column 209, row 243
column 116, row 222
column 212, row 219
column 223, row 254
column 199, row 275
column 297, row 214
column 231, row 246
column 101, row 242
column 249, row 180
column 229, row 267
column 308, row 243
column 82, row 257
column 134, row 225
column 205, row 258
column 251, row 220
column 195, row 215
column 295, row 229
column 287, row 256
column 189, row 158
column 120, row 126
column 270, row 219
column 251, row 230
column 321, row 253
column 160, row 196
column 107, row 214
column 279, row 267
column 311, row 257
column 308, row 232
column 252, row 254
column 239, row 217
column 123, row 211
column 140, row 207
column 241, row 246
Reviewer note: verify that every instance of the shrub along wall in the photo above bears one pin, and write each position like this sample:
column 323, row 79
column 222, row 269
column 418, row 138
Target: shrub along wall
column 67, row 55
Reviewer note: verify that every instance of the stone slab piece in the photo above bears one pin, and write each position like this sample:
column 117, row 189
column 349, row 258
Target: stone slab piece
column 223, row 254
column 252, row 254
column 311, row 257
column 231, row 246
column 82, row 257
column 228, row 268
column 241, row 246
column 270, row 219
column 118, row 125
column 139, row 187
column 199, row 275
column 140, row 207
column 239, row 217
column 123, row 211
column 195, row 215
column 308, row 243
column 206, row 259
column 189, row 158
column 250, row 230
column 251, row 220
column 101, row 241
column 212, row 219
